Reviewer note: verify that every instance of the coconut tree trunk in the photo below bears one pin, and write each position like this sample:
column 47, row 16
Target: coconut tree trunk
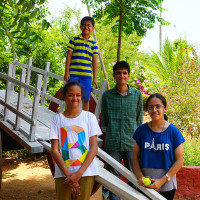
column 120, row 33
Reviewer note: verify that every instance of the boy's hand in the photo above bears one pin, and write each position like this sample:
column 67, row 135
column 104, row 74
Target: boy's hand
column 66, row 76
column 95, row 83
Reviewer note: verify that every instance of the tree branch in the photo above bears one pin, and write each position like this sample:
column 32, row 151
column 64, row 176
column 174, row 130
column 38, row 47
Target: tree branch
column 2, row 11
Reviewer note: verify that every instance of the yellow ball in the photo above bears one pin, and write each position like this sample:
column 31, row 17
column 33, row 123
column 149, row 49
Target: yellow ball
column 147, row 181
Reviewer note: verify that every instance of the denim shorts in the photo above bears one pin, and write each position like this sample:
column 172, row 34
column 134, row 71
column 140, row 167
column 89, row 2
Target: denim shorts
column 86, row 86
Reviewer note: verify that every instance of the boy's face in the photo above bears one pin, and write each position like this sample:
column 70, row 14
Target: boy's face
column 86, row 27
column 121, row 76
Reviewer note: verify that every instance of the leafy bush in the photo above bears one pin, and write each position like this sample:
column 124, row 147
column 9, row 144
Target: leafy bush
column 191, row 150
column 176, row 76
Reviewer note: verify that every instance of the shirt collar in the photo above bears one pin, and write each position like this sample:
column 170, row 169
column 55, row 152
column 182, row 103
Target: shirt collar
column 81, row 37
column 128, row 92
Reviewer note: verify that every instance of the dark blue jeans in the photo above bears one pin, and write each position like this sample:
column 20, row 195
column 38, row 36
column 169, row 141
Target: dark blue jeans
column 127, row 156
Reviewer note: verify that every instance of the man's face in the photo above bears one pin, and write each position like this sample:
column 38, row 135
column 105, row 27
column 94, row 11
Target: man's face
column 121, row 76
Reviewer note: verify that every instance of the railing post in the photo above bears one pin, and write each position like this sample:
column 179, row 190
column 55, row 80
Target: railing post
column 8, row 92
column 30, row 60
column 20, row 99
column 98, row 105
column 62, row 107
column 13, row 74
column 45, row 83
column 35, row 108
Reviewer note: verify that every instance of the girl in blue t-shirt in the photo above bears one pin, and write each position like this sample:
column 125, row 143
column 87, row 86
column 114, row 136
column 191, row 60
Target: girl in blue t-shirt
column 158, row 149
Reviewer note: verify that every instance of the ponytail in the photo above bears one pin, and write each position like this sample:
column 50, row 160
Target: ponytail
column 165, row 117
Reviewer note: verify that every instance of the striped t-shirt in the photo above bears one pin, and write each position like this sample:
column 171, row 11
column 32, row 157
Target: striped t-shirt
column 81, row 60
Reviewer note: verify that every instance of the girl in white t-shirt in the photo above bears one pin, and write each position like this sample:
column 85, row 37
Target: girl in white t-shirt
column 73, row 138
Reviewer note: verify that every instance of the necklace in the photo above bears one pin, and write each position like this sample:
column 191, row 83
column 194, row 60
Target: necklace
column 152, row 147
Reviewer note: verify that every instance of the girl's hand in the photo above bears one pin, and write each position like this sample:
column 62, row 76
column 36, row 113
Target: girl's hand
column 75, row 188
column 75, row 177
column 157, row 183
column 141, row 181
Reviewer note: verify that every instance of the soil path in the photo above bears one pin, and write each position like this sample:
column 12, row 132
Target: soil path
column 24, row 179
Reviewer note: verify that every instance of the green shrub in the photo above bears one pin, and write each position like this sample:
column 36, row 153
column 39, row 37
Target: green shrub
column 191, row 151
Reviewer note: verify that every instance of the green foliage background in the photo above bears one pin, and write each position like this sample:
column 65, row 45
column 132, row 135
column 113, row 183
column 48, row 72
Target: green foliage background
column 174, row 73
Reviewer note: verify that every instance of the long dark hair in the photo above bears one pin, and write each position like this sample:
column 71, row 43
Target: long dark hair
column 162, row 98
column 70, row 84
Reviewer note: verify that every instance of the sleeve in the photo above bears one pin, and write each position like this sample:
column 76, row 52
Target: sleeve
column 140, row 110
column 137, row 136
column 71, row 44
column 177, row 138
column 94, row 128
column 104, row 114
column 54, row 132
column 95, row 49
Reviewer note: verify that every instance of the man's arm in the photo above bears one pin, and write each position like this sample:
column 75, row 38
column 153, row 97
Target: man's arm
column 94, row 66
column 140, row 110
column 68, row 60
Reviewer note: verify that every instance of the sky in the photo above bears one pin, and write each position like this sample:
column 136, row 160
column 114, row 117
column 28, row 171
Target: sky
column 182, row 14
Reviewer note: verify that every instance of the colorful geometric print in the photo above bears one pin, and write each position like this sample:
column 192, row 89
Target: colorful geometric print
column 70, row 134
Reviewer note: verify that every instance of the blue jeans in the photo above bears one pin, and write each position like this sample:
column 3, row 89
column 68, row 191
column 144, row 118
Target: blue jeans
column 127, row 156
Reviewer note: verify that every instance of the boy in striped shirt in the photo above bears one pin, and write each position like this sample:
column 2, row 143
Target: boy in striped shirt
column 81, row 60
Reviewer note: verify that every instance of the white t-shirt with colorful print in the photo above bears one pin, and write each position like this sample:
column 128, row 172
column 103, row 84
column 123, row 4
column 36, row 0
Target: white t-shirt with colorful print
column 73, row 135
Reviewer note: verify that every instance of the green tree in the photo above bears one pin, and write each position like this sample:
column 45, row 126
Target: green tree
column 129, row 15
column 16, row 17
column 53, row 47
column 108, row 46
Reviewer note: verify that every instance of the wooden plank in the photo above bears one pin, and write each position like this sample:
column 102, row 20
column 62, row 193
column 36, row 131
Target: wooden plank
column 35, row 108
column 117, row 186
column 62, row 107
column 35, row 69
column 8, row 91
column 17, row 82
column 20, row 114
column 20, row 100
column 21, row 65
column 44, row 89
column 98, row 106
column 128, row 174
column 44, row 118
column 58, row 101
column 28, row 77
column 32, row 147
column 13, row 73
column 95, row 91
column 58, row 77
column 38, row 70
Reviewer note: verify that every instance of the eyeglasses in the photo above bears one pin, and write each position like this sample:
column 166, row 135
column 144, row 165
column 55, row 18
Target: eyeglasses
column 156, row 107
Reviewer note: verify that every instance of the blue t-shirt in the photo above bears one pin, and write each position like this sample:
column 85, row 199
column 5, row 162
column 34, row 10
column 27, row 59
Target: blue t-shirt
column 157, row 149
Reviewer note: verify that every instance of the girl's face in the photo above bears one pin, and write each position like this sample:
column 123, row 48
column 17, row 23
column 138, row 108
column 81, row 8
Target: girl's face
column 156, row 109
column 73, row 96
